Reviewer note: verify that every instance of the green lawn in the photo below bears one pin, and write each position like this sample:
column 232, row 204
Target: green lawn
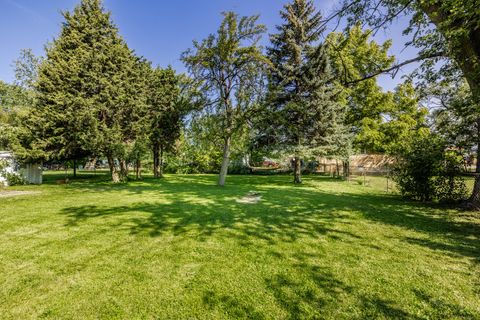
column 182, row 248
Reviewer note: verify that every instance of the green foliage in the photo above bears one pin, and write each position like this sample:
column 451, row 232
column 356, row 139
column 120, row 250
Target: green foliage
column 381, row 121
column 446, row 33
column 228, row 66
column 26, row 70
column 406, row 120
column 454, row 117
column 302, row 115
column 91, row 90
column 15, row 103
column 450, row 184
column 165, row 113
column 238, row 167
column 426, row 171
column 199, row 148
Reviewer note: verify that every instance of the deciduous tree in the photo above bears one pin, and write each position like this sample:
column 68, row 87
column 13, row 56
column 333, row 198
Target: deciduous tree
column 229, row 67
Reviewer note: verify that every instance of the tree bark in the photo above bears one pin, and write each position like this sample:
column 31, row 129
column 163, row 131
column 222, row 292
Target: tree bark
column 74, row 168
column 225, row 162
column 138, row 168
column 156, row 160
column 113, row 170
column 475, row 196
column 465, row 50
column 160, row 167
column 297, row 170
column 123, row 169
column 346, row 169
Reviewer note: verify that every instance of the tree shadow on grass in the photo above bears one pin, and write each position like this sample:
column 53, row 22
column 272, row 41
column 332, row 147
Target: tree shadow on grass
column 231, row 306
column 318, row 292
column 439, row 229
column 248, row 223
column 443, row 310
column 286, row 214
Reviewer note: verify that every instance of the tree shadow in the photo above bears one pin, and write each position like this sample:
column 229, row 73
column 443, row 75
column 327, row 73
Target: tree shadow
column 284, row 214
column 193, row 207
column 231, row 306
column 442, row 309
column 308, row 297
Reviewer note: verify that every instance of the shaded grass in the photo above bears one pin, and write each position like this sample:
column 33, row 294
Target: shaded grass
column 181, row 247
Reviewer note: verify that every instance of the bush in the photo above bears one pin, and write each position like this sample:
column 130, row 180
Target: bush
column 237, row 167
column 15, row 179
column 12, row 178
column 425, row 171
column 450, row 184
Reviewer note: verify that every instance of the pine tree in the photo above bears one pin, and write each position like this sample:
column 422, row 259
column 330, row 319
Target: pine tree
column 302, row 113
column 90, row 93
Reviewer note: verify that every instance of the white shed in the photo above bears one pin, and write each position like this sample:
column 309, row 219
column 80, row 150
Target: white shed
column 6, row 156
column 32, row 173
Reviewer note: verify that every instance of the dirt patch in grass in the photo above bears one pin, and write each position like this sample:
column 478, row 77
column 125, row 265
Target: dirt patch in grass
column 13, row 193
column 251, row 197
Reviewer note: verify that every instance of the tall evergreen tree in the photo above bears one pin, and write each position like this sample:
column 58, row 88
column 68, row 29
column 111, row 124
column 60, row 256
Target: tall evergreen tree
column 303, row 115
column 90, row 97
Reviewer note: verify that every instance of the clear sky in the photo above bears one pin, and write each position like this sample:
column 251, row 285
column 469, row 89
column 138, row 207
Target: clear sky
column 159, row 30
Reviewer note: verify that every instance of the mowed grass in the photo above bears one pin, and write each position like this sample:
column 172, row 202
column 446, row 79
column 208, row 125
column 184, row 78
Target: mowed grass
column 183, row 248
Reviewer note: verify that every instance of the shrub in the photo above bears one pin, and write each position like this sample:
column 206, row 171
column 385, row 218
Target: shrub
column 13, row 178
column 450, row 184
column 425, row 171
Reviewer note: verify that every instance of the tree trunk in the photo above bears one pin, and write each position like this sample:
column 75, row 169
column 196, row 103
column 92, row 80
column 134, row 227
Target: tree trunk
column 346, row 169
column 156, row 160
column 465, row 50
column 225, row 162
column 160, row 167
column 123, row 169
column 475, row 197
column 113, row 170
column 297, row 170
column 465, row 47
column 138, row 168
column 74, row 168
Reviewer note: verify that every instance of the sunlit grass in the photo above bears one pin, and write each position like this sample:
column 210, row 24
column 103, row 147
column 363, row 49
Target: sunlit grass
column 183, row 248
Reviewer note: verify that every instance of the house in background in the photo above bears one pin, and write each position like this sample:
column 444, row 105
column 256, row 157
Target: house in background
column 31, row 172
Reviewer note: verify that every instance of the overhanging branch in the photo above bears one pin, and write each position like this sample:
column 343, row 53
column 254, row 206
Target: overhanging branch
column 396, row 67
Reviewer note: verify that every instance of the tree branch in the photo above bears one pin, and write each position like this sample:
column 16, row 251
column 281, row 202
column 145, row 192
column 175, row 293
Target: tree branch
column 396, row 67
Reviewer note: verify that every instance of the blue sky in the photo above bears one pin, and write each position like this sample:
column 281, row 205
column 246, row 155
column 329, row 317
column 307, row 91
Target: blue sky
column 158, row 30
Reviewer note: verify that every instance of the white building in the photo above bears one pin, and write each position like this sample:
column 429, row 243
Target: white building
column 32, row 173
column 6, row 156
